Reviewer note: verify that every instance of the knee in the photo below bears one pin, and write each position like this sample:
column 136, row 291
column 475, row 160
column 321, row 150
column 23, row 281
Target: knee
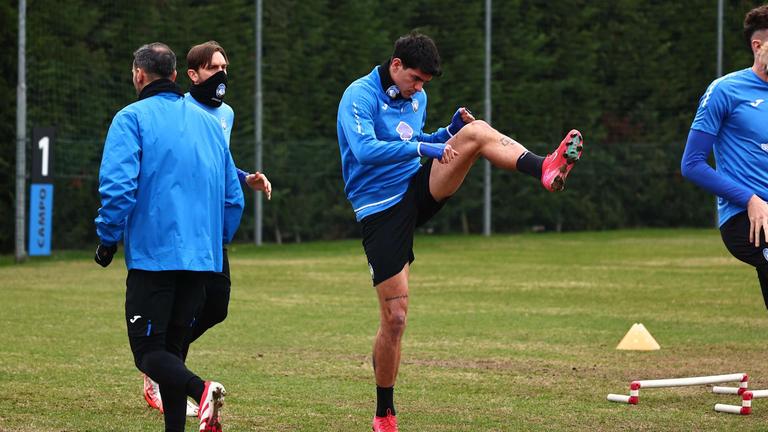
column 393, row 325
column 219, row 314
column 473, row 134
column 216, row 307
column 146, row 361
column 480, row 124
column 143, row 347
column 475, row 129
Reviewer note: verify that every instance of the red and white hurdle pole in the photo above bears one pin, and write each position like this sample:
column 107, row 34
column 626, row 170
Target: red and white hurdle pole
column 746, row 399
column 737, row 390
column 635, row 386
column 744, row 409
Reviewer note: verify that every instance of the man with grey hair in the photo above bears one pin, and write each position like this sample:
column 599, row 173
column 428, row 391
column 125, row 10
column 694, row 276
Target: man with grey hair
column 170, row 191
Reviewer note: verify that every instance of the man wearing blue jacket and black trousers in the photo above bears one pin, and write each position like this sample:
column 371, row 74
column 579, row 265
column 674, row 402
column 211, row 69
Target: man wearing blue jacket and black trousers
column 170, row 191
column 380, row 129
column 207, row 69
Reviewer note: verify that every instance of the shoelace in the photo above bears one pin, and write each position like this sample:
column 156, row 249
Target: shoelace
column 390, row 421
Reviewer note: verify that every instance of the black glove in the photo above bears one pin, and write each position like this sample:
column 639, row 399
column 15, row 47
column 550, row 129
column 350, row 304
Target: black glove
column 104, row 254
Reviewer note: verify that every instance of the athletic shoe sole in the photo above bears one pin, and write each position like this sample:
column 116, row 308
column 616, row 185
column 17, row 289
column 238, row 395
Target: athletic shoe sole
column 217, row 402
column 571, row 147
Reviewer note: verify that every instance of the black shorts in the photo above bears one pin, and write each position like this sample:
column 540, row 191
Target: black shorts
column 735, row 234
column 388, row 234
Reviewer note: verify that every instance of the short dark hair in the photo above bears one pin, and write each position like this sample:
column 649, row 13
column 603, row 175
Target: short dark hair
column 756, row 20
column 418, row 51
column 202, row 54
column 156, row 59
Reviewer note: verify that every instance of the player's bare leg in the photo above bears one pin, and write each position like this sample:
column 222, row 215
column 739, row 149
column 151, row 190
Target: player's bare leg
column 478, row 139
column 393, row 306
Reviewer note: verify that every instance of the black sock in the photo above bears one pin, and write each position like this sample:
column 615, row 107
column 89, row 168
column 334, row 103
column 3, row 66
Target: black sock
column 530, row 164
column 385, row 400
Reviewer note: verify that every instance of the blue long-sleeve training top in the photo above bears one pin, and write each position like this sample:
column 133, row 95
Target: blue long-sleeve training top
column 225, row 115
column 732, row 119
column 379, row 140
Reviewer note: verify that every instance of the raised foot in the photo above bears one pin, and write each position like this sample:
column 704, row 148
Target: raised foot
column 558, row 164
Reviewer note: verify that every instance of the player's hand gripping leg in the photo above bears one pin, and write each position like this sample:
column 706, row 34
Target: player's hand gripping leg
column 757, row 211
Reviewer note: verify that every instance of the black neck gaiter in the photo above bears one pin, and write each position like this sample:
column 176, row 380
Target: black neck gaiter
column 162, row 85
column 211, row 91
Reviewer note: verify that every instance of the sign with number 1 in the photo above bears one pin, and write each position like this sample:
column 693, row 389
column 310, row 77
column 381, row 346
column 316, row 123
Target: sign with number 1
column 41, row 192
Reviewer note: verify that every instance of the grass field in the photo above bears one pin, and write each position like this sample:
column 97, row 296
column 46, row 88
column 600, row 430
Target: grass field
column 504, row 334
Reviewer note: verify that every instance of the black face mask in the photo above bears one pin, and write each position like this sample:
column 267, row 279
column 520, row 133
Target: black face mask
column 211, row 91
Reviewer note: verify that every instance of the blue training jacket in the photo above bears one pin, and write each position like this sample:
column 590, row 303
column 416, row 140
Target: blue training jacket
column 168, row 186
column 225, row 115
column 379, row 140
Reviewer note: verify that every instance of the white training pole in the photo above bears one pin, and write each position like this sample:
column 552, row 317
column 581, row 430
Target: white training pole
column 635, row 386
column 725, row 390
column 756, row 394
column 744, row 409
column 618, row 398
column 730, row 409
column 678, row 382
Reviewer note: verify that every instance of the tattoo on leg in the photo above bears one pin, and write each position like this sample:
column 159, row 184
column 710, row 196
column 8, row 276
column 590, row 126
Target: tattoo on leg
column 505, row 141
column 396, row 297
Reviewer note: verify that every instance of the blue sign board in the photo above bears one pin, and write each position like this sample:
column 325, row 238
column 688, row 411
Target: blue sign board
column 40, row 214
column 41, row 193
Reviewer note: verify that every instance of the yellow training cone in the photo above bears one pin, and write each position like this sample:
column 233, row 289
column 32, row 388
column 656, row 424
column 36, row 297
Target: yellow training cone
column 638, row 339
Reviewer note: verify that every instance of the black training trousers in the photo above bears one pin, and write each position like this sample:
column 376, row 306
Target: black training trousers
column 160, row 309
column 215, row 304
